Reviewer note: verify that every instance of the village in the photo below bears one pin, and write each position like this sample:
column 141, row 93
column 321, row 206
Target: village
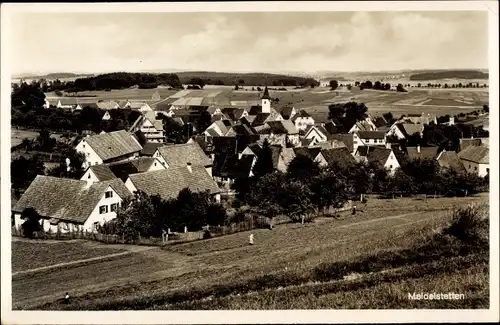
column 224, row 145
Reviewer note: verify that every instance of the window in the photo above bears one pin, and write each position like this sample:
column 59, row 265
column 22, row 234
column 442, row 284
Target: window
column 83, row 146
column 103, row 209
column 155, row 164
column 475, row 168
column 108, row 194
column 96, row 226
column 89, row 176
column 114, row 207
column 390, row 166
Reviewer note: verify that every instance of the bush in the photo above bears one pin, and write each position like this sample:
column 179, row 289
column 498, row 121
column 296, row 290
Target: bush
column 470, row 225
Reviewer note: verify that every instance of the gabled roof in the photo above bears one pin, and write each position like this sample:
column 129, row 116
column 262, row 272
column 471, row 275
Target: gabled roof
column 286, row 112
column 68, row 101
column 123, row 169
column 107, row 105
column 379, row 121
column 149, row 148
column 167, row 183
column 340, row 157
column 425, row 152
column 213, row 133
column 331, row 127
column 249, row 119
column 409, row 129
column 137, row 104
column 232, row 167
column 240, row 129
column 255, row 109
column 450, row 159
column 465, row 143
column 282, row 127
column 371, row 134
column 260, row 119
column 113, row 144
column 300, row 114
column 102, row 172
column 346, row 138
column 308, row 152
column 477, row 154
column 180, row 155
column 233, row 113
column 374, row 154
column 66, row 199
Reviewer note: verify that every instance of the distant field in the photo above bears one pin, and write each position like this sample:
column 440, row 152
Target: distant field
column 186, row 273
column 122, row 94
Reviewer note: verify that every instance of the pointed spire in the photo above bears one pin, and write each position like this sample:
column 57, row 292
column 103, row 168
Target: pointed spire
column 266, row 94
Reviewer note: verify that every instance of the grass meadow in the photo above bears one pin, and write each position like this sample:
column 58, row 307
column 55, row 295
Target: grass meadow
column 370, row 260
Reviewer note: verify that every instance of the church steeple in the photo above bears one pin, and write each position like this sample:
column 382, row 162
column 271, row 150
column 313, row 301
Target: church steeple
column 266, row 94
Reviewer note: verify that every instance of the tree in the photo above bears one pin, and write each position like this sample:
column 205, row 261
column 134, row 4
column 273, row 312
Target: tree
column 303, row 168
column 264, row 196
column 264, row 164
column 400, row 88
column 23, row 171
column 387, row 86
column 329, row 190
column 377, row 85
column 197, row 81
column 31, row 223
column 174, row 132
column 236, row 87
column 296, row 200
column 334, row 84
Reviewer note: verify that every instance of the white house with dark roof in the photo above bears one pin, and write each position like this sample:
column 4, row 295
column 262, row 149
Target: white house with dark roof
column 372, row 138
column 302, row 120
column 70, row 205
column 476, row 160
column 405, row 130
column 316, row 134
column 180, row 155
column 382, row 157
column 108, row 147
column 169, row 182
column 150, row 126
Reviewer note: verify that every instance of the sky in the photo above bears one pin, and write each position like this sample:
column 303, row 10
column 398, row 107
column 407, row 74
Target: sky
column 248, row 42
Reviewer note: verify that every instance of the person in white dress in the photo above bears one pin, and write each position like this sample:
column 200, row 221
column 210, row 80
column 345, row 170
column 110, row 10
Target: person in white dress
column 250, row 239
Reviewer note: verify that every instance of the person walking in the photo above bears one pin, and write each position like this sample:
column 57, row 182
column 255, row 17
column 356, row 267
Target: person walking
column 354, row 210
column 250, row 239
column 66, row 298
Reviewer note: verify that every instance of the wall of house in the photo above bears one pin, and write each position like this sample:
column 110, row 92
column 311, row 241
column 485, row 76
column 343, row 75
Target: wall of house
column 475, row 168
column 89, row 177
column 374, row 142
column 315, row 136
column 321, row 160
column 293, row 138
column 274, row 139
column 156, row 165
column 96, row 217
column 302, row 123
column 392, row 163
column 91, row 157
column 395, row 131
column 158, row 156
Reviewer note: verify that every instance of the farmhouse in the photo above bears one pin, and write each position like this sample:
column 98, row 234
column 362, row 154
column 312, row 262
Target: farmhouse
column 151, row 127
column 282, row 129
column 422, row 152
column 169, row 182
column 302, row 120
column 221, row 128
column 405, row 130
column 141, row 106
column 234, row 114
column 375, row 138
column 316, row 134
column 287, row 112
column 365, row 125
column 108, row 147
column 338, row 157
column 450, row 160
column 227, row 168
column 383, row 157
column 348, row 140
column 70, row 205
column 476, row 160
column 180, row 155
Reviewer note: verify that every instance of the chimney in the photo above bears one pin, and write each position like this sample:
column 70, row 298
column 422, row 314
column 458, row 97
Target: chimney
column 418, row 148
column 189, row 167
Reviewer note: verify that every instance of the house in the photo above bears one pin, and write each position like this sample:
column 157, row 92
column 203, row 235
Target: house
column 422, row 152
column 450, row 160
column 287, row 112
column 348, row 140
column 281, row 130
column 248, row 120
column 98, row 173
column 365, row 125
column 106, row 116
column 476, row 160
column 141, row 106
column 316, row 134
column 70, row 103
column 149, row 149
column 424, row 118
column 313, row 153
column 167, row 183
column 228, row 168
column 233, row 113
column 70, row 205
column 405, row 130
column 214, row 110
column 220, row 128
column 337, row 157
column 263, row 118
column 107, row 105
column 124, row 104
column 374, row 138
column 180, row 155
column 302, row 120
column 383, row 157
column 121, row 169
column 108, row 147
column 150, row 126
column 465, row 143
column 156, row 96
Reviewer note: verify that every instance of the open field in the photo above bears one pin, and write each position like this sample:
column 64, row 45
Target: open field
column 17, row 136
column 32, row 254
column 187, row 275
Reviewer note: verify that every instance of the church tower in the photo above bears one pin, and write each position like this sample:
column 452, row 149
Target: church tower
column 266, row 101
